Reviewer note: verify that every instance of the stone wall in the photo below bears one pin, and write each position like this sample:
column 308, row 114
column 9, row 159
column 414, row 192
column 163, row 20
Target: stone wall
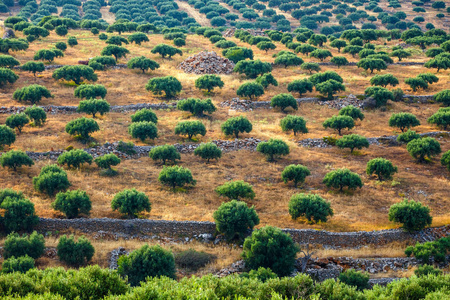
column 147, row 228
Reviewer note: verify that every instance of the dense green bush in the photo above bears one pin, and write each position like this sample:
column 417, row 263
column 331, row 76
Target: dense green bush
column 295, row 173
column 7, row 76
column 196, row 106
column 20, row 264
column 143, row 130
column 75, row 73
column 72, row 203
column 32, row 245
column 408, row 136
column 259, row 249
column 32, row 94
column 233, row 219
column 116, row 51
column 341, row 178
column 422, row 148
column 33, row 67
column 413, row 215
column 383, row 168
column 313, row 207
column 147, row 262
column 436, row 250
column 176, row 176
column 144, row 115
column 236, row 190
column 352, row 141
column 166, row 50
column 208, row 82
column 351, row 111
column 131, row 202
column 284, row 101
column 190, row 128
column 7, row 136
column 74, row 158
column 36, row 114
column 74, row 253
column 93, row 106
column 250, row 90
column 169, row 85
column 106, row 162
column 441, row 118
column 339, row 122
column 165, row 153
column 273, row 148
column 252, row 68
column 17, row 121
column 90, row 91
column 403, row 121
column 426, row 270
column 51, row 179
column 294, row 123
column 208, row 151
column 353, row 278
column 142, row 63
column 14, row 159
column 236, row 125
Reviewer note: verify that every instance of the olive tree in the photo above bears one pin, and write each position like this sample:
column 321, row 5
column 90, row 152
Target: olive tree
column 403, row 121
column 208, row 151
column 351, row 111
column 408, row 136
column 320, row 54
column 36, row 114
column 339, row 122
column 383, row 168
column 90, row 91
column 413, row 215
column 236, row 125
column 144, row 115
column 445, row 160
column 329, row 87
column 17, row 121
column 372, row 64
column 93, row 106
column 266, row 79
column 252, row 68
column 82, row 127
column 233, row 219
column 176, row 176
column 74, row 158
column 75, row 73
column 300, row 86
column 341, row 178
column 441, row 118
column 106, row 161
column 14, row 159
column 7, row 136
column 250, row 90
column 273, row 148
column 380, row 94
column 51, row 179
column 287, row 60
column 138, row 38
column 295, row 173
column 74, row 253
column 33, row 67
column 142, row 63
column 313, row 207
column 208, row 82
column 131, row 202
column 48, row 54
column 443, row 97
column 168, row 84
column 164, row 153
column 352, row 141
column 7, row 76
column 294, row 123
column 423, row 147
column 190, row 128
column 31, row 93
column 72, row 203
column 116, row 51
column 196, row 106
column 166, row 50
column 143, row 130
column 7, row 61
column 236, row 190
column 310, row 67
column 384, row 80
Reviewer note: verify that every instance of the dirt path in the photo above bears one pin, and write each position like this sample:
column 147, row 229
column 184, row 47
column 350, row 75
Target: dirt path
column 202, row 20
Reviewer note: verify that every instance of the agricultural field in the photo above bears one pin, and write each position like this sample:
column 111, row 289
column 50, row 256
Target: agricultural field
column 318, row 114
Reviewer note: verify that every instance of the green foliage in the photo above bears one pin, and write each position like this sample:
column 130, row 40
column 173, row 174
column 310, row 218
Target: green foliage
column 403, row 121
column 196, row 106
column 107, row 160
column 74, row 158
column 423, row 147
column 372, row 64
column 252, row 68
column 32, row 245
column 144, row 115
column 14, row 159
column 258, row 250
column 339, row 122
column 312, row 207
column 236, row 54
column 48, row 55
column 413, row 215
column 61, row 30
column 236, row 125
column 131, row 202
column 384, row 80
column 168, row 84
column 74, row 253
column 320, row 54
column 261, row 274
column 436, row 250
column 443, row 97
column 352, row 141
column 192, row 259
column 294, row 123
column 273, row 148
column 407, row 136
column 445, row 160
column 208, row 82
column 284, row 101
column 208, row 151
column 101, row 62
column 236, row 190
column 190, row 128
column 143, row 130
column 90, row 91
column 329, row 87
column 337, row 43
column 400, row 54
column 116, row 51
column 295, row 173
column 233, row 219
column 166, row 50
column 61, row 46
column 7, row 136
column 300, row 86
column 82, row 127
column 324, row 76
column 93, row 106
column 17, row 121
column 382, row 167
column 165, row 153
column 250, row 90
column 355, row 278
column 266, row 79
column 179, row 42
column 341, row 178
column 288, row 60
column 416, row 83
column 13, row 44
column 426, row 270
column 75, row 73
column 33, row 67
column 266, row 46
column 339, row 61
column 72, row 41
column 147, row 262
column 138, row 38
column 51, row 179
column 310, row 67
column 36, row 31
column 7, row 61
column 351, row 111
column 428, row 77
column 7, row 76
column 72, row 203
column 142, row 63
column 380, row 94
column 36, row 114
column 20, row 264
column 176, row 176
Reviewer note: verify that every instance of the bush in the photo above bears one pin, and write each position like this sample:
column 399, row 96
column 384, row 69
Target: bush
column 146, row 262
column 74, row 158
column 436, row 250
column 258, row 251
column 131, row 202
column 33, row 67
column 176, row 176
column 351, row 111
column 32, row 245
column 93, row 106
column 74, row 253
column 312, row 207
column 75, row 73
column 7, row 61
column 426, row 270
column 273, row 148
column 235, row 190
column 72, row 203
column 353, row 278
column 192, row 259
column 138, row 38
column 233, row 219
column 20, row 264
column 413, row 215
column 116, row 51
column 295, row 173
column 144, row 115
column 310, row 67
column 380, row 95
column 82, row 127
column 383, row 168
column 250, row 90
column 352, row 141
column 72, row 41
column 164, row 153
column 14, row 159
column 236, row 125
column 142, row 63
column 403, row 121
column 166, row 50
column 339, row 123
column 441, row 118
column 329, row 87
column 407, row 136
column 384, row 80
column 90, row 91
column 252, row 68
column 445, row 160
column 300, row 86
column 261, row 274
column 17, row 121
column 208, row 82
column 106, row 161
column 284, row 101
column 443, row 97
column 190, row 128
column 287, row 60
column 423, row 147
column 169, row 85
column 342, row 178
column 196, row 106
column 179, row 42
column 208, row 151
column 7, row 136
column 36, row 114
column 143, row 130
column 7, row 76
column 51, row 179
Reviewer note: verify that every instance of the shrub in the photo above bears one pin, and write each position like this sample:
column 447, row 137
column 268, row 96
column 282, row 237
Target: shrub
column 258, row 250
column 261, row 274
column 100, row 63
column 190, row 128
column 441, row 118
column 320, row 54
column 284, row 101
column 32, row 245
column 443, row 97
column 74, row 158
column 14, row 159
column 250, row 90
column 235, row 190
column 106, row 161
column 351, row 111
column 266, row 46
column 72, row 41
column 17, row 121
column 426, row 270
column 138, row 38
column 33, row 67
column 413, row 215
column 116, row 51
column 287, row 60
column 36, row 114
column 355, row 278
column 51, row 179
column 131, row 202
column 252, row 68
column 233, row 219
column 436, row 250
column 192, row 259
column 403, row 121
column 445, row 160
column 7, row 76
column 72, row 203
column 146, row 262
column 7, row 136
column 416, row 83
column 312, row 207
column 75, row 73
column 82, row 127
column 236, row 125
column 93, row 106
column 273, row 148
column 423, row 147
column 142, row 63
column 61, row 30
column 339, row 122
column 165, row 153
column 7, row 61
column 208, row 151
column 300, row 86
column 329, row 87
column 143, row 130
column 208, row 82
column 169, row 85
column 352, row 141
column 179, row 42
column 310, row 67
column 380, row 95
column 339, row 61
column 382, row 167
column 372, row 64
column 48, row 55
column 74, row 253
column 90, row 91
column 341, row 178
column 144, row 115
column 295, row 173
column 196, row 106
column 166, row 50
column 176, row 176
column 20, row 264
column 294, row 123
column 408, row 136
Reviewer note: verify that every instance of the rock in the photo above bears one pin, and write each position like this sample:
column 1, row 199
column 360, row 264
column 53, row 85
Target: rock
column 9, row 33
column 207, row 63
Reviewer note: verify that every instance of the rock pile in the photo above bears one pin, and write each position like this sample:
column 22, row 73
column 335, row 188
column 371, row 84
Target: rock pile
column 343, row 102
column 237, row 267
column 114, row 257
column 237, row 104
column 207, row 63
